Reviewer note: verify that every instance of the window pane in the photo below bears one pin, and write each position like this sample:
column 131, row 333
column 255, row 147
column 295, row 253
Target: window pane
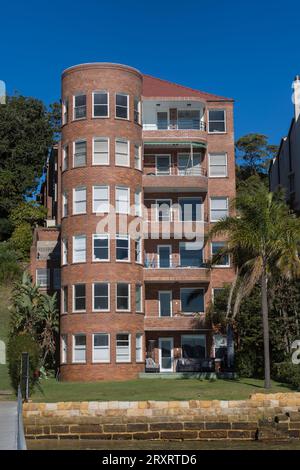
column 190, row 255
column 122, row 106
column 188, row 119
column 162, row 120
column 80, row 153
column 122, row 348
column 80, row 106
column 79, row 249
column 138, row 298
column 122, row 153
column 101, row 296
column 193, row 346
column 191, row 209
column 122, row 247
column 101, row 248
column 122, row 200
column 216, row 115
column 122, row 296
column 164, row 210
column 192, row 300
column 101, row 347
column 121, row 100
column 163, row 165
column 139, row 347
column 79, row 296
column 100, row 155
column 100, row 199
column 80, row 200
column 215, row 248
column 165, row 304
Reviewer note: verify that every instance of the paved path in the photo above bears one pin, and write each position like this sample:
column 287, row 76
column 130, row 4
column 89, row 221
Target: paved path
column 8, row 425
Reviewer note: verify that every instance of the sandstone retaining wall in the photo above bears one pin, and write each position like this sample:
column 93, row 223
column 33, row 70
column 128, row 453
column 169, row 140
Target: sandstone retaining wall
column 262, row 416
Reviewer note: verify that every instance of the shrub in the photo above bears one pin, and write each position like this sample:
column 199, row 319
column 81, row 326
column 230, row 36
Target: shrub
column 9, row 267
column 16, row 346
column 288, row 373
column 247, row 364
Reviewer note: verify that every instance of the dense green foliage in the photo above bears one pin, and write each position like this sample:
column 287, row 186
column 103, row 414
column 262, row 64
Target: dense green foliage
column 10, row 269
column 18, row 344
column 289, row 373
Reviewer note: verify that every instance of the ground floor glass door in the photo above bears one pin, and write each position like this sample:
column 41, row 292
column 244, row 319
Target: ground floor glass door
column 166, row 354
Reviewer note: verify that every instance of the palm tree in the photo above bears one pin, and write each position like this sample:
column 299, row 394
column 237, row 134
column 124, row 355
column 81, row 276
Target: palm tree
column 49, row 325
column 263, row 240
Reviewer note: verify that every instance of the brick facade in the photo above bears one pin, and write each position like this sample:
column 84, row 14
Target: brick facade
column 113, row 78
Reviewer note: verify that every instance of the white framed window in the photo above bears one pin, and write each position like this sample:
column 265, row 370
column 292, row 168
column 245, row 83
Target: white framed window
column 43, row 277
column 163, row 165
column 79, row 153
column 64, row 299
column 56, row 279
column 79, row 298
column 218, row 208
column 122, row 106
column 138, row 250
column 101, row 247
column 138, row 298
column 79, row 348
column 189, row 164
column 165, row 303
column 101, row 347
column 100, row 104
column 64, row 204
column 163, row 210
column 79, row 106
column 138, row 202
column 100, row 199
column 224, row 260
column 216, row 120
column 138, row 157
column 100, row 151
column 192, row 300
column 188, row 119
column 190, row 209
column 101, row 297
column 122, row 247
column 191, row 254
column 137, row 110
column 65, row 157
column 123, row 297
column 122, row 200
column 79, row 249
column 65, row 111
column 217, row 165
column 122, row 152
column 123, row 353
column 139, row 347
column 79, row 200
column 64, row 251
column 63, row 349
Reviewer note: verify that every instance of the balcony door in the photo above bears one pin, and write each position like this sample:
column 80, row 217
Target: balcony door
column 166, row 357
column 163, row 165
column 164, row 256
column 189, row 164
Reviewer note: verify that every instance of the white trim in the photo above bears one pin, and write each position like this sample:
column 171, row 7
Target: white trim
column 93, row 151
column 65, row 158
column 171, row 341
column 210, row 208
column 225, row 121
column 171, row 303
column 73, row 114
column 74, row 145
column 128, row 151
column 141, row 335
column 170, row 255
column 129, row 347
column 73, row 348
column 73, row 297
column 192, row 288
column 157, row 211
column 93, row 297
column 102, row 236
column 139, row 146
column 95, row 92
column 64, row 252
column 129, row 296
column 74, row 199
column 65, row 204
column 128, row 108
column 93, row 349
column 120, row 236
column 82, row 236
column 63, row 298
column 63, row 350
column 142, row 298
column 93, row 197
column 128, row 202
column 226, row 164
column 138, row 240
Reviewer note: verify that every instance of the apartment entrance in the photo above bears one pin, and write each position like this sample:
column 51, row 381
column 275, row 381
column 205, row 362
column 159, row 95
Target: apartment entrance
column 166, row 356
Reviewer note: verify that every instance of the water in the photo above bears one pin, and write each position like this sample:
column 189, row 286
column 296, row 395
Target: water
column 161, row 445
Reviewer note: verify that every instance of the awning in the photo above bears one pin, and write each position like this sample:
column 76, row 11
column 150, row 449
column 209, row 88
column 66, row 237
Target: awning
column 176, row 144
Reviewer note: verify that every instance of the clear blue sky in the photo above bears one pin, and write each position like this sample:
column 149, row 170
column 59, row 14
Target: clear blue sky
column 248, row 50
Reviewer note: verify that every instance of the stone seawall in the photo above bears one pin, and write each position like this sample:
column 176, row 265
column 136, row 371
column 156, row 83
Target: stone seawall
column 262, row 416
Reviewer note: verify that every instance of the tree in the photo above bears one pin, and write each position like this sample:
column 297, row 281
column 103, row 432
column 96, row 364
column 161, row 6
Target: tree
column 255, row 153
column 36, row 314
column 27, row 132
column 268, row 235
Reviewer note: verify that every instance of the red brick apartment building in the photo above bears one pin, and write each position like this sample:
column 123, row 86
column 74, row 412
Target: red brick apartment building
column 132, row 140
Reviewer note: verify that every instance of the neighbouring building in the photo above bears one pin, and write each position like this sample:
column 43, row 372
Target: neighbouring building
column 158, row 153
column 284, row 169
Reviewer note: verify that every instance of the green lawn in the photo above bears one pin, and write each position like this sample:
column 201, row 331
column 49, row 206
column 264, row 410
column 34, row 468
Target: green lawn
column 5, row 293
column 147, row 389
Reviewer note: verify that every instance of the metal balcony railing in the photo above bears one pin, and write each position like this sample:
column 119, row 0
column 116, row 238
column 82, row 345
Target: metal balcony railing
column 174, row 171
column 181, row 124
column 156, row 263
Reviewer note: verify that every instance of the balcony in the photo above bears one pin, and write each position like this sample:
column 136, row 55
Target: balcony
column 176, row 322
column 171, row 271
column 175, row 179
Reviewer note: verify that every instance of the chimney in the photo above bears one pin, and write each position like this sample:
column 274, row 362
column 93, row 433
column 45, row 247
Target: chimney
column 296, row 96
